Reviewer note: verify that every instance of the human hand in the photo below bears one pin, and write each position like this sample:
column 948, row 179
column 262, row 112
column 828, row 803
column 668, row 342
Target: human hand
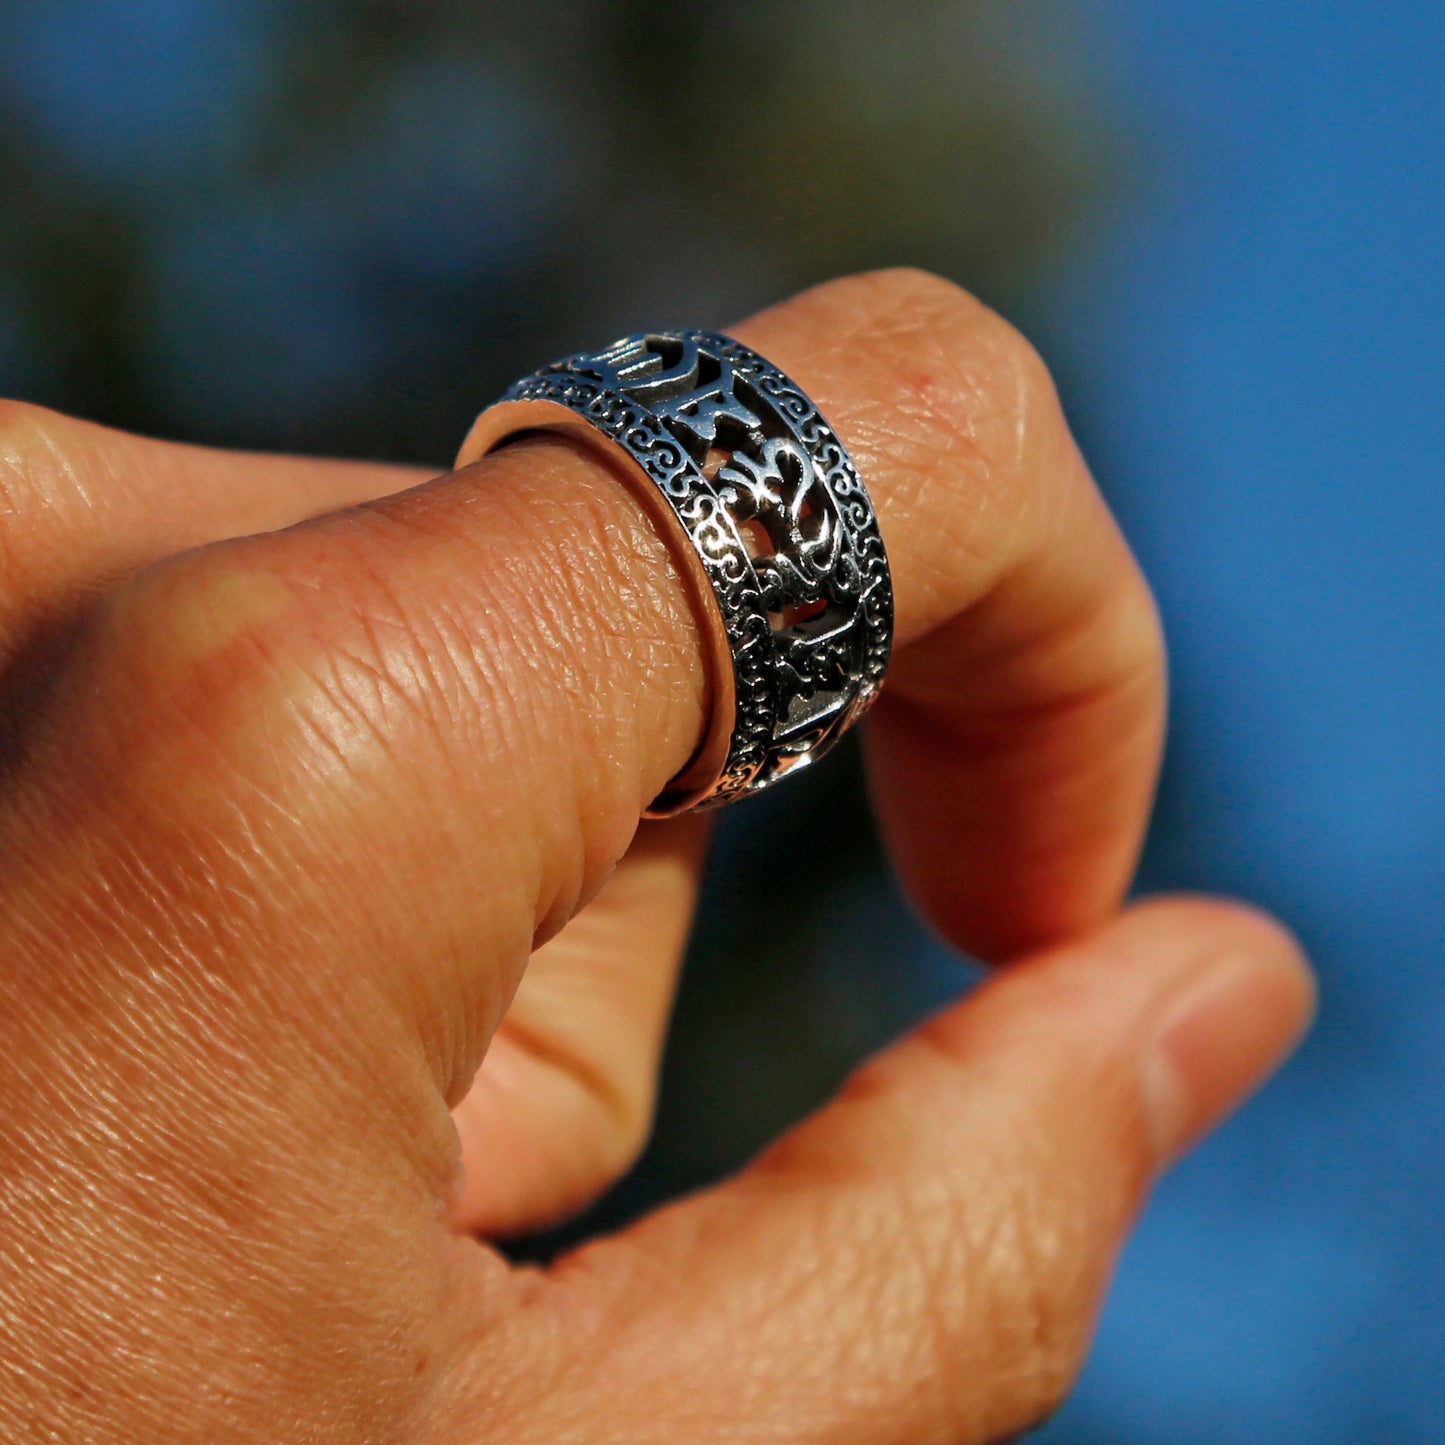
column 286, row 816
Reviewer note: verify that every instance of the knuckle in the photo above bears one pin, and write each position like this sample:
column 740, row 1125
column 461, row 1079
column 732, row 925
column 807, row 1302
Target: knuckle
column 206, row 619
column 172, row 690
column 1000, row 1280
column 1006, row 1277
column 295, row 664
column 962, row 417
column 232, row 660
column 1040, row 1299
column 1000, row 1304
column 992, row 387
column 967, row 352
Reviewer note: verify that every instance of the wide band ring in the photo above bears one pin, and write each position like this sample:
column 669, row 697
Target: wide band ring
column 766, row 511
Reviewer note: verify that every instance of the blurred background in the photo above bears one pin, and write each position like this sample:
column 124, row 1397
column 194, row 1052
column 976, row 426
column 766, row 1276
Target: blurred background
column 341, row 227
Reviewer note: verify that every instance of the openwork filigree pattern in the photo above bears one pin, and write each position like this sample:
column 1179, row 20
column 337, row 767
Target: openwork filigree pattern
column 778, row 519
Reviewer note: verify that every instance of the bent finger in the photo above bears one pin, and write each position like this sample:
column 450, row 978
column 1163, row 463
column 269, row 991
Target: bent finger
column 564, row 1099
column 1014, row 750
column 923, row 1260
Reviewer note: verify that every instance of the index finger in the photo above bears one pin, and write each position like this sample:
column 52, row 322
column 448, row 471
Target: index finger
column 494, row 673
column 1014, row 751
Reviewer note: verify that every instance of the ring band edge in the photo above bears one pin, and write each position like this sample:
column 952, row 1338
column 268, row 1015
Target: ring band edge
column 510, row 420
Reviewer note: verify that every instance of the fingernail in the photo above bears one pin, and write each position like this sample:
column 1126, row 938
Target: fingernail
column 1234, row 1022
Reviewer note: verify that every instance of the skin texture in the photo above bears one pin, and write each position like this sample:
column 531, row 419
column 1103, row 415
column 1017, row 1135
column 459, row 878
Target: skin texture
column 330, row 944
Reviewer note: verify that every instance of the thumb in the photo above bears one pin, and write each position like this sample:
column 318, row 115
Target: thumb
column 923, row 1260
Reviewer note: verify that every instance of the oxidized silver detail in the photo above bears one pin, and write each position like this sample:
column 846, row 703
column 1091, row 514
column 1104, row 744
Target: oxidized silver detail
column 779, row 522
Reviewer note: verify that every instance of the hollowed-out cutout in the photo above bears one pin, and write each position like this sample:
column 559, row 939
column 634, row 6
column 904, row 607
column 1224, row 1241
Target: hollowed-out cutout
column 756, row 538
column 802, row 612
column 715, row 460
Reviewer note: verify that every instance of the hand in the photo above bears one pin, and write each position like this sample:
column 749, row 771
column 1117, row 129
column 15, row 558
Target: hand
column 290, row 804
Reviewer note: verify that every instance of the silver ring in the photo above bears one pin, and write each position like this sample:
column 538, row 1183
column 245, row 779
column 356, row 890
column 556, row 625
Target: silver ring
column 774, row 522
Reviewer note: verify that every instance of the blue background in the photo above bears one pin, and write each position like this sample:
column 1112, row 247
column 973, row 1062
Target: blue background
column 341, row 227
column 1257, row 348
